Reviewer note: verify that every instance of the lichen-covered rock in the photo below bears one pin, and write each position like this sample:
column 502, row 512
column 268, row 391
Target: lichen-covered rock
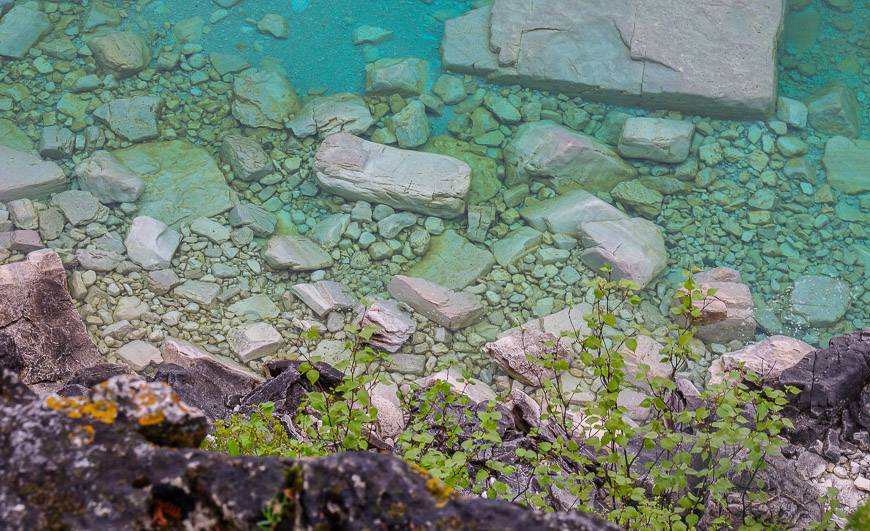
column 42, row 337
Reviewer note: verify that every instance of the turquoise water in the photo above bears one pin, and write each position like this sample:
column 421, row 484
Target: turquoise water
column 772, row 226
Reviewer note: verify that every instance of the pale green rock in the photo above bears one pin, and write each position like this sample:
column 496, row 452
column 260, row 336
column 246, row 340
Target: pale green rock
column 182, row 181
column 411, row 125
column 635, row 196
column 453, row 262
column 406, row 76
column 13, row 137
column 847, row 163
column 834, row 110
column 484, row 170
column 263, row 98
column 255, row 308
column 370, row 35
column 450, row 89
column 275, row 25
column 227, row 63
column 502, row 108
column 20, row 29
column 822, row 301
column 516, row 245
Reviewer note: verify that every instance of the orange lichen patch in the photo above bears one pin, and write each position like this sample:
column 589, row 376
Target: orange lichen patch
column 437, row 488
column 82, row 435
column 165, row 513
column 151, row 419
column 104, row 411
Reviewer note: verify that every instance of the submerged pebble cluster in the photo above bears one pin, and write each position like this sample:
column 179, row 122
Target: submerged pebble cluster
column 755, row 196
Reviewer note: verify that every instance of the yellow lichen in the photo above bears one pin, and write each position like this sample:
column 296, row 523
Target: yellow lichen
column 151, row 419
column 104, row 411
column 437, row 488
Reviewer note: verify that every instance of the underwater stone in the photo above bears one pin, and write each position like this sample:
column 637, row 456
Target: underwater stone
column 324, row 296
column 661, row 53
column 226, row 63
column 132, row 118
column 295, row 253
column 56, row 142
column 512, row 353
column 450, row 89
column 635, row 196
column 727, row 315
column 370, row 35
column 516, row 245
column 565, row 213
column 14, row 138
column 821, row 301
column 847, row 163
column 260, row 221
column 110, row 181
column 20, row 29
column 151, row 243
column 328, row 231
column 392, row 225
column 545, row 150
column 255, row 308
column 78, row 206
column 122, row 53
column 453, row 262
column 792, row 112
column 254, row 340
column 451, row 309
column 263, row 98
column 634, row 248
column 485, row 183
column 410, row 125
column 406, row 76
column 210, row 229
column 203, row 293
column 656, row 139
column 394, row 327
column 336, row 113
column 834, row 110
column 246, row 157
column 182, row 181
column 357, row 169
column 274, row 25
column 23, row 175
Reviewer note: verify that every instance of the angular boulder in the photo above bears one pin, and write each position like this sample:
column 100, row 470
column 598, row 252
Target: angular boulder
column 835, row 110
column 325, row 296
column 246, row 157
column 151, row 243
column 658, row 53
column 295, row 253
column 394, row 327
column 42, row 338
column 656, row 139
column 564, row 213
column 336, row 113
column 24, row 175
column 122, row 53
column 633, row 247
column 768, row 358
column 20, row 28
column 512, row 353
column 357, row 169
column 133, row 118
column 253, row 341
column 546, row 150
column 263, row 98
column 406, row 76
column 108, row 180
column 820, row 300
column 451, row 309
column 182, row 181
column 727, row 315
column 847, row 163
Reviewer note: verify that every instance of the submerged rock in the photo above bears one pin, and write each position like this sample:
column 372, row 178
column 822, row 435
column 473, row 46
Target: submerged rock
column 847, row 163
column 253, row 341
column 151, row 243
column 545, row 150
column 656, row 139
column 182, row 181
column 617, row 51
column 485, row 183
column 122, row 53
column 325, row 296
column 727, row 315
column 513, row 352
column 407, row 76
column 821, row 301
column 263, row 98
column 23, row 175
column 451, row 309
column 295, row 253
column 20, row 29
column 411, row 125
column 246, row 157
column 336, row 113
column 42, row 338
column 394, row 327
column 357, row 169
column 834, row 110
column 453, row 262
column 565, row 213
column 633, row 247
column 132, row 118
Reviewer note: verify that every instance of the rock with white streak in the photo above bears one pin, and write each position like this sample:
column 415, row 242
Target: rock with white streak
column 656, row 139
column 357, row 169
column 246, row 157
column 395, row 327
column 451, row 309
column 110, row 181
column 151, row 243
column 336, row 113
column 633, row 247
column 24, row 175
column 325, row 296
column 295, row 253
column 512, row 353
column 546, row 150
column 253, row 341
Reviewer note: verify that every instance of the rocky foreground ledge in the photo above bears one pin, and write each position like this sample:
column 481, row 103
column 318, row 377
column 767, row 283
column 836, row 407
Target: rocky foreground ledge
column 100, row 463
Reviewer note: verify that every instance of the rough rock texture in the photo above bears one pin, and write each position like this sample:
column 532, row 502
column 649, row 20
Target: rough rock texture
column 820, row 300
column 252, row 341
column 450, row 309
column 656, row 139
column 848, row 164
column 633, row 247
column 565, row 213
column 182, row 181
column 453, row 262
column 246, row 157
column 108, row 476
column 42, row 337
column 24, row 175
column 295, row 253
column 546, row 150
column 151, row 243
column 835, row 110
column 20, row 29
column 406, row 76
column 336, row 113
column 660, row 53
column 135, row 119
column 427, row 183
column 121, row 53
column 730, row 313
column 263, row 98
column 395, row 326
column 110, row 181
column 325, row 296
column 768, row 358
column 512, row 351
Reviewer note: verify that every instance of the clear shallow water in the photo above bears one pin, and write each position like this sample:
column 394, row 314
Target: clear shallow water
column 707, row 225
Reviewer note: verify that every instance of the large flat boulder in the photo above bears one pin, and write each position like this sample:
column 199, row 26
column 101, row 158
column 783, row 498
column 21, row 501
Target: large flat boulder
column 705, row 57
column 564, row 213
column 42, row 337
column 449, row 308
column 546, row 150
column 20, row 29
column 336, row 113
column 848, row 164
column 24, row 175
column 182, row 181
column 427, row 183
column 263, row 98
column 453, row 262
column 633, row 247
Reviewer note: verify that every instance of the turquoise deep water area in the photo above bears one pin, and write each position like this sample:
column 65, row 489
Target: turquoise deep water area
column 774, row 218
